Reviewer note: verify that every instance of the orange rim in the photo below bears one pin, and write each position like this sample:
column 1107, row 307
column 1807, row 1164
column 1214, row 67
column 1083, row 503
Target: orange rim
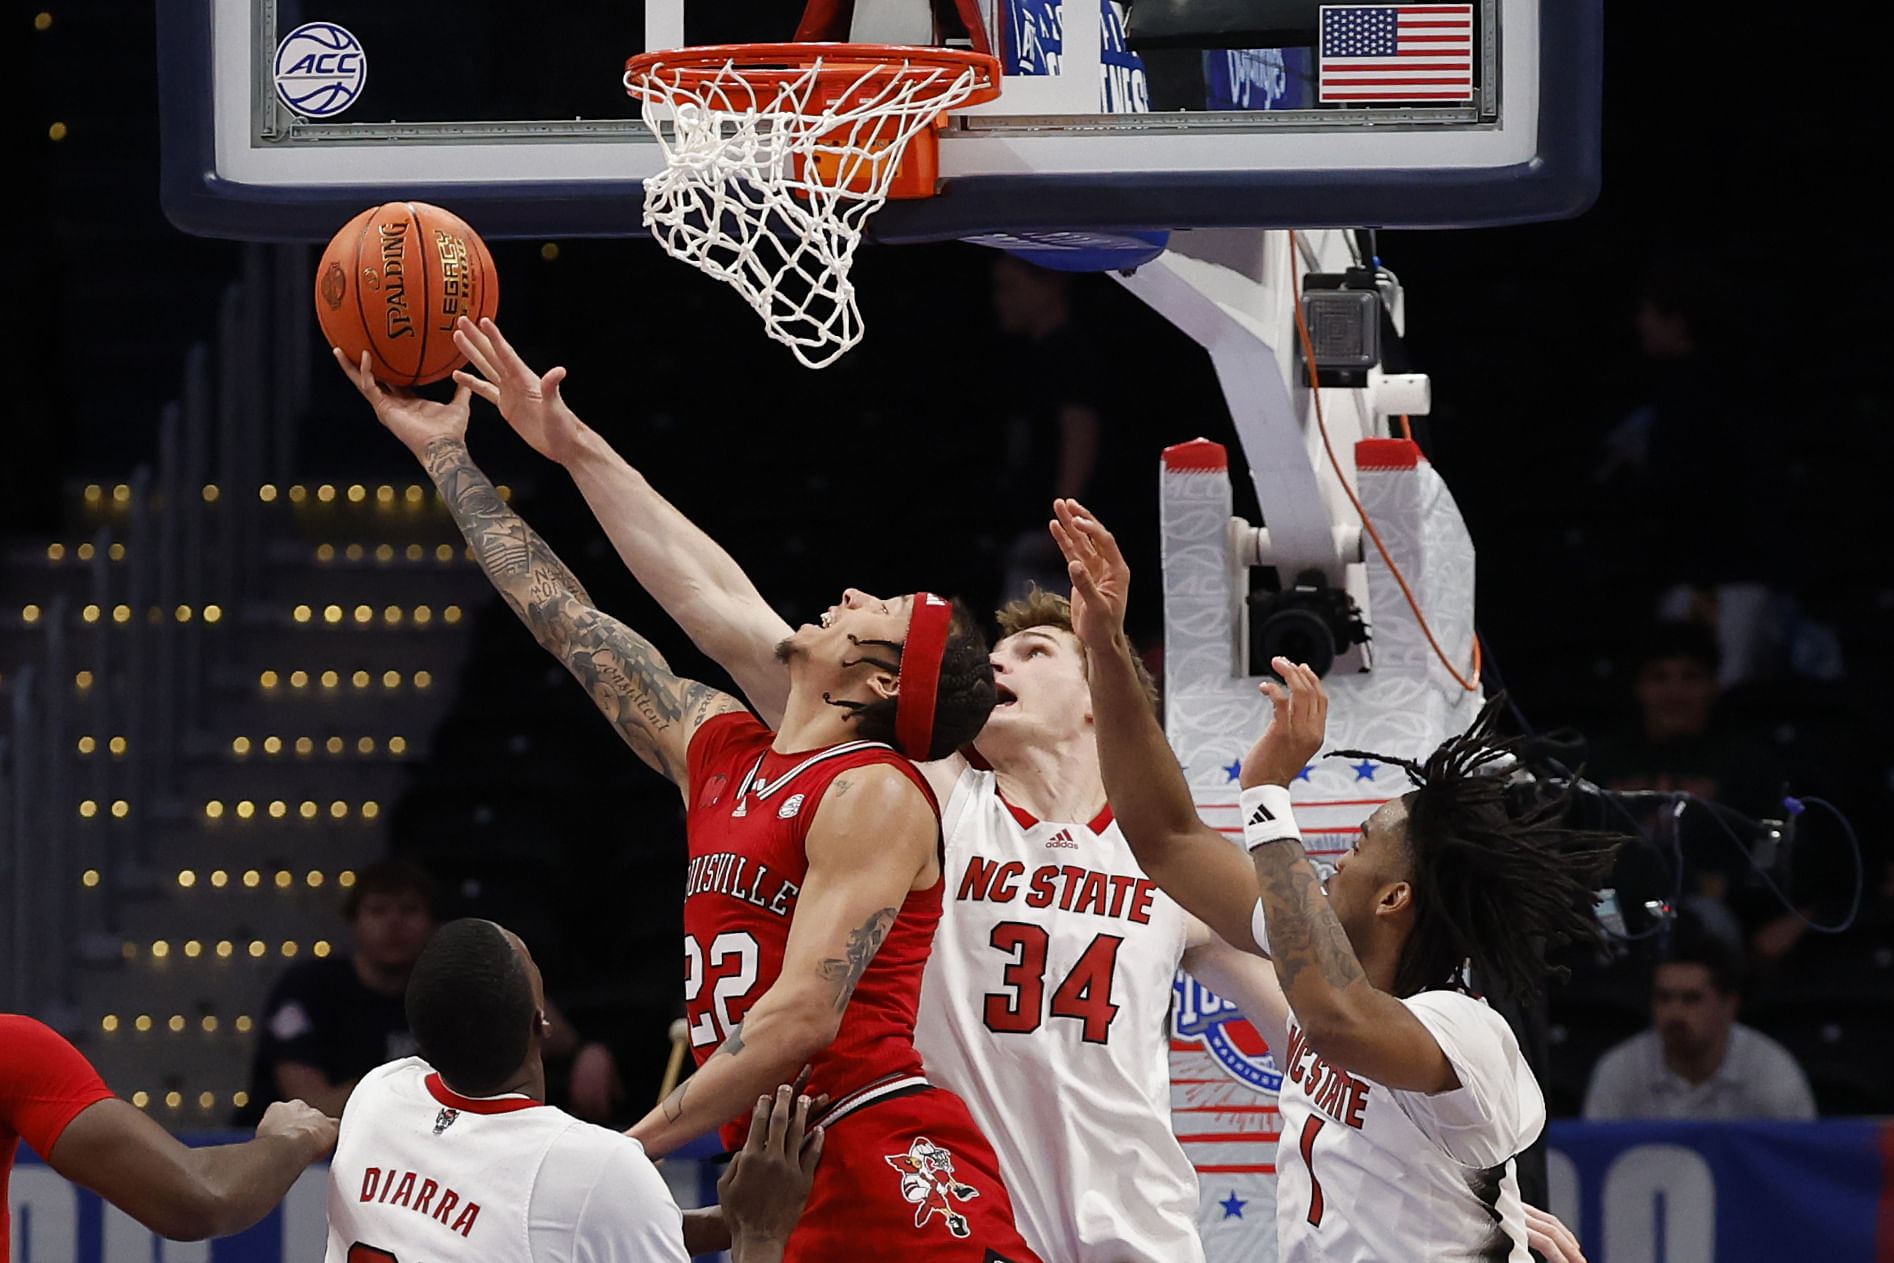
column 836, row 65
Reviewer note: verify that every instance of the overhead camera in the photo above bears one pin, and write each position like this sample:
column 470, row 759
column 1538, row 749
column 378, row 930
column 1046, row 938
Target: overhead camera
column 1310, row 622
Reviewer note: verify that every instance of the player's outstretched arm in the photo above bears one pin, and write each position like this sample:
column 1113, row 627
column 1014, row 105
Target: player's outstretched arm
column 685, row 570
column 871, row 843
column 188, row 1194
column 653, row 709
column 1344, row 1016
column 1190, row 861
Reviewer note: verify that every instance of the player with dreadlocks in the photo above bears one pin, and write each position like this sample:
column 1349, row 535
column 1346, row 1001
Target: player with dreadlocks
column 1402, row 1093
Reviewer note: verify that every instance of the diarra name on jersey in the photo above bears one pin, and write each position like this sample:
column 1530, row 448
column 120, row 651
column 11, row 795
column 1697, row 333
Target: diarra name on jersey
column 379, row 1186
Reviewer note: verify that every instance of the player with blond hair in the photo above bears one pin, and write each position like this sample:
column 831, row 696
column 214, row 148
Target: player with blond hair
column 1047, row 997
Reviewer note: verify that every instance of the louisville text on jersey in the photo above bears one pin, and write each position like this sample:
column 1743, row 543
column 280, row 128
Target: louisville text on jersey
column 380, row 1187
column 1073, row 888
column 726, row 873
column 1331, row 1089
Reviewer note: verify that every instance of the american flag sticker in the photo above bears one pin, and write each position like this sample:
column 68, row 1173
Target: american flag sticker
column 1375, row 53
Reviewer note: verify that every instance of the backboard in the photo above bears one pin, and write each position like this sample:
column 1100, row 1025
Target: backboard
column 282, row 118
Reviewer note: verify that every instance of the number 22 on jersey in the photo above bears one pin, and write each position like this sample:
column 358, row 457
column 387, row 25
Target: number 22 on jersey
column 732, row 959
column 1084, row 995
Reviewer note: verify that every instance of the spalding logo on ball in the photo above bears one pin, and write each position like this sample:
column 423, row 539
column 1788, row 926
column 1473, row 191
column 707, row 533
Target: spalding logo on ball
column 320, row 69
column 395, row 281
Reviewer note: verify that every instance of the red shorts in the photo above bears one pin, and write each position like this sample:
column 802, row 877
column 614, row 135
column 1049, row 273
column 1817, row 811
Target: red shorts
column 909, row 1177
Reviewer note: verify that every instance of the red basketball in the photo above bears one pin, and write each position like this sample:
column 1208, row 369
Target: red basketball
column 394, row 281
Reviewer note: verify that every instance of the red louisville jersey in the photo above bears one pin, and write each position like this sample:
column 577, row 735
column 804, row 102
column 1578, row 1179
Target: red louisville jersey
column 44, row 1083
column 750, row 812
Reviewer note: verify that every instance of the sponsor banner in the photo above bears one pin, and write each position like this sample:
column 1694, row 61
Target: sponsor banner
column 1694, row 1192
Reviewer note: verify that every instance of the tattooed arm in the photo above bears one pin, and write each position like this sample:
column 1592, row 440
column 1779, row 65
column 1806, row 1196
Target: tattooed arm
column 872, row 842
column 685, row 570
column 654, row 710
column 1346, row 1018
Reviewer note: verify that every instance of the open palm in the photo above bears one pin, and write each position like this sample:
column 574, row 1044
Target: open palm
column 1101, row 581
column 529, row 401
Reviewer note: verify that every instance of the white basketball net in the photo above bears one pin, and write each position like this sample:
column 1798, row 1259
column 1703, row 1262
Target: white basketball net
column 768, row 188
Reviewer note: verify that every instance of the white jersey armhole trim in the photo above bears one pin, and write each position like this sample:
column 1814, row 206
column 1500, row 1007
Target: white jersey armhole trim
column 965, row 792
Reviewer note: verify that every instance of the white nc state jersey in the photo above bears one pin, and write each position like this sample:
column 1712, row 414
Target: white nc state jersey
column 424, row 1175
column 1045, row 1006
column 1367, row 1174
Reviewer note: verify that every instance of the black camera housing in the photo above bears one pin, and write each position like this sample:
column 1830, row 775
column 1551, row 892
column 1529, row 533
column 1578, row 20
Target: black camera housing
column 1311, row 623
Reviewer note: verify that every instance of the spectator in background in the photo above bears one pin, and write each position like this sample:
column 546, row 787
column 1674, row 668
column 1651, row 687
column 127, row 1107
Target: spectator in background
column 1048, row 403
column 1672, row 747
column 329, row 1021
column 1697, row 474
column 1697, row 1061
column 1676, row 747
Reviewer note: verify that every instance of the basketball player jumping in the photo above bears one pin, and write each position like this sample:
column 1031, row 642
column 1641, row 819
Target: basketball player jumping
column 815, row 880
column 1046, row 998
column 1405, row 1099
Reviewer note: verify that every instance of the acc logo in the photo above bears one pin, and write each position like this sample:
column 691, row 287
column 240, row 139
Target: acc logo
column 320, row 69
column 790, row 807
column 1203, row 1015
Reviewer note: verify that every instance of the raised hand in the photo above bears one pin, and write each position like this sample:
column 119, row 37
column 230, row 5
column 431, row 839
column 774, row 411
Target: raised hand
column 1296, row 728
column 415, row 420
column 529, row 401
column 764, row 1188
column 1101, row 581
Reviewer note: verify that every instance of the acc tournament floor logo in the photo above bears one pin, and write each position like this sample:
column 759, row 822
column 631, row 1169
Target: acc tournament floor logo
column 320, row 69
column 1201, row 1014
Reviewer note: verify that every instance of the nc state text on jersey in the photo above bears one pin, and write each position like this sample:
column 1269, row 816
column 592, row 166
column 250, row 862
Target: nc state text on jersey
column 1331, row 1089
column 727, row 873
column 1073, row 888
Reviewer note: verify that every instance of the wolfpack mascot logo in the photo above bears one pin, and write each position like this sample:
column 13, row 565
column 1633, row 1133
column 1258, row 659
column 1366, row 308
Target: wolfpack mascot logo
column 1203, row 1015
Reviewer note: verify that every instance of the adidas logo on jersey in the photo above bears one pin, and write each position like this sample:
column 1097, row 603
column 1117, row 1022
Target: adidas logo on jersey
column 1262, row 815
column 1063, row 838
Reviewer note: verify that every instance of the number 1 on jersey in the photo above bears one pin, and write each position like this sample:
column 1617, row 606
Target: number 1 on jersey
column 1084, row 995
column 1310, row 1130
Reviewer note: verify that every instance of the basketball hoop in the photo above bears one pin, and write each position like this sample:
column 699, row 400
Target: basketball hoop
column 777, row 154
